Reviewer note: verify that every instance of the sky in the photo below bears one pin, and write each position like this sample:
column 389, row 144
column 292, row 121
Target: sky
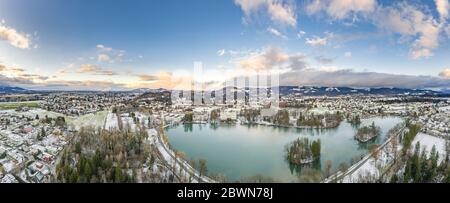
column 127, row 44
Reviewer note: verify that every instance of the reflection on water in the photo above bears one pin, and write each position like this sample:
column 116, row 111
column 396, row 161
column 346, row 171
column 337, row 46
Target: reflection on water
column 296, row 169
column 247, row 150
column 187, row 128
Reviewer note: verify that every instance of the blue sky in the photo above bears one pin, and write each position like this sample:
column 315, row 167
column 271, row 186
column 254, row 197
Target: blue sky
column 102, row 44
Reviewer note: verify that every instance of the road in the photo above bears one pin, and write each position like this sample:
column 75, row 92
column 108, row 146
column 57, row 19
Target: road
column 339, row 175
column 185, row 166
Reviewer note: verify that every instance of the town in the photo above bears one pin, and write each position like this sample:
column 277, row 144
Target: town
column 41, row 137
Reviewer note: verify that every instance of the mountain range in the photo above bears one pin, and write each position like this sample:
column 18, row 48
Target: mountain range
column 292, row 90
column 8, row 89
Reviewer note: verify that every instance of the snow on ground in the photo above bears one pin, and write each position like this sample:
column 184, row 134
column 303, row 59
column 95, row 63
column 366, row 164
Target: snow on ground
column 128, row 121
column 372, row 167
column 96, row 120
column 445, row 108
column 385, row 158
column 320, row 111
column 427, row 142
column 111, row 121
column 33, row 112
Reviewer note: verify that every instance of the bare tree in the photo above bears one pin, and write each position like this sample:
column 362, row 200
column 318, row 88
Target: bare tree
column 375, row 153
column 203, row 169
column 394, row 143
column 328, row 165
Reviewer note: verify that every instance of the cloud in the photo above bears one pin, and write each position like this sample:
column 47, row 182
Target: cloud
column 300, row 34
column 16, row 71
column 316, row 41
column 447, row 30
column 221, row 52
column 108, row 54
column 269, row 58
column 320, row 41
column 91, row 85
column 341, row 9
column 284, row 14
column 348, row 54
column 14, row 81
column 409, row 21
column 324, row 60
column 414, row 24
column 160, row 76
column 350, row 78
column 33, row 77
column 162, row 79
column 15, row 38
column 19, row 73
column 19, row 77
column 442, row 6
column 90, row 68
column 418, row 53
column 147, row 78
column 277, row 33
column 445, row 73
column 2, row 67
column 280, row 11
column 103, row 58
column 297, row 71
column 103, row 48
column 15, row 76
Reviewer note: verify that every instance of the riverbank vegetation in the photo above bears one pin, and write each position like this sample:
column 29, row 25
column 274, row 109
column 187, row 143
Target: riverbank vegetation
column 319, row 121
column 251, row 115
column 282, row 118
column 355, row 120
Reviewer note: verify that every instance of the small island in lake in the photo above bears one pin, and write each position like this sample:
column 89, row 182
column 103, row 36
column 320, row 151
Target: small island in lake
column 367, row 133
column 302, row 151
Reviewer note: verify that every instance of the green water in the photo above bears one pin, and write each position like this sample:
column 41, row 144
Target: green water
column 247, row 150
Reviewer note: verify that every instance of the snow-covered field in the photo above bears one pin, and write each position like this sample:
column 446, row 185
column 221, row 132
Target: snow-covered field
column 371, row 167
column 96, row 120
column 385, row 158
column 427, row 142
column 111, row 121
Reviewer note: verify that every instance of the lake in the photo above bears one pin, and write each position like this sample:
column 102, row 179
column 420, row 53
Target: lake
column 240, row 151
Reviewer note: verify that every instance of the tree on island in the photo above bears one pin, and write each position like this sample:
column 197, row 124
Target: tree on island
column 302, row 151
column 188, row 117
column 367, row 133
column 215, row 115
column 282, row 118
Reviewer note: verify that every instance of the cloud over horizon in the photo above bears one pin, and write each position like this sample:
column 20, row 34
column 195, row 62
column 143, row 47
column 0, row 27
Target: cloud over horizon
column 301, row 73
